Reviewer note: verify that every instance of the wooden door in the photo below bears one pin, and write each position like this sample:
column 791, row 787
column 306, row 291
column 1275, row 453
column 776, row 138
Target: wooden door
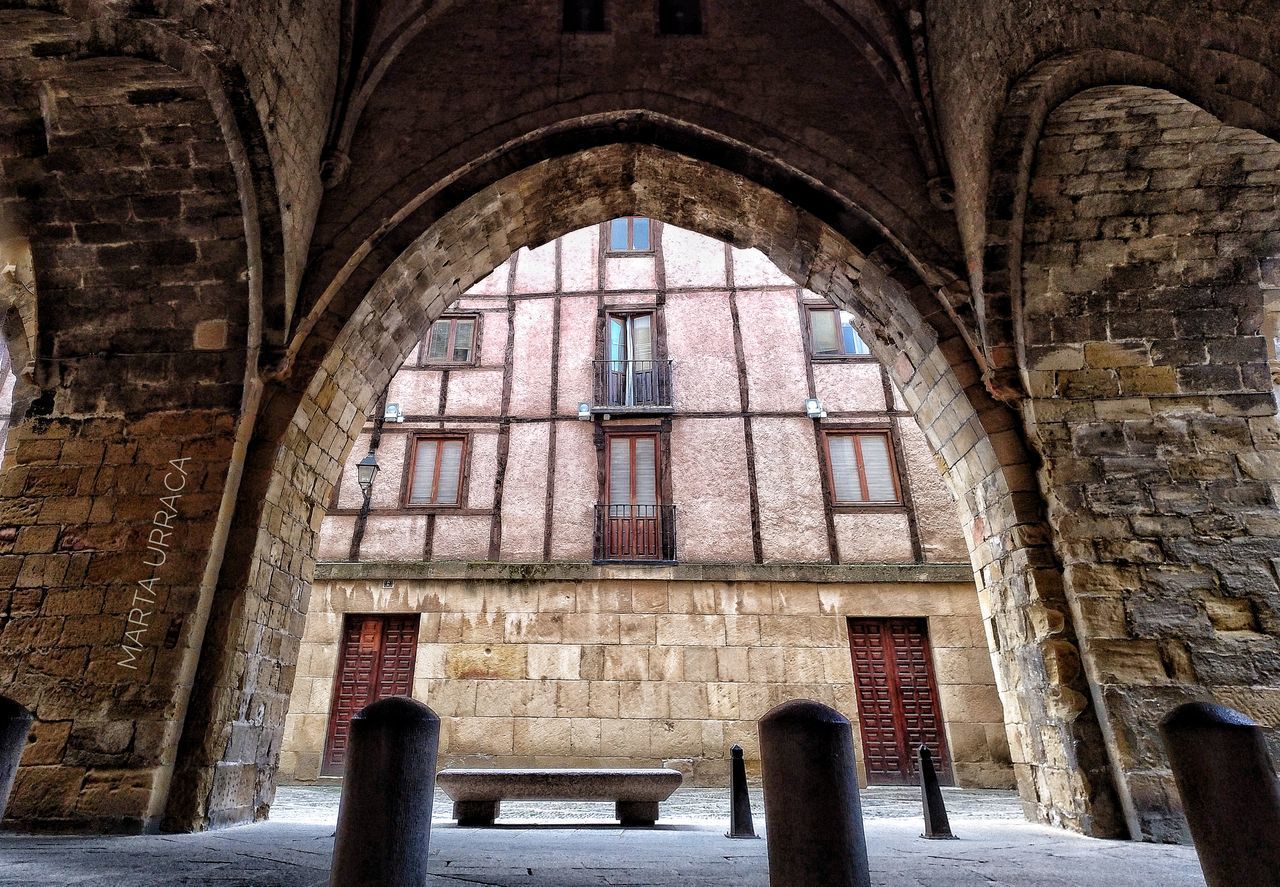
column 376, row 661
column 897, row 699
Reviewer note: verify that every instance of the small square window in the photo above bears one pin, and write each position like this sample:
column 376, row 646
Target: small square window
column 436, row 475
column 831, row 334
column 584, row 16
column 451, row 340
column 630, row 235
column 680, row 16
column 862, row 469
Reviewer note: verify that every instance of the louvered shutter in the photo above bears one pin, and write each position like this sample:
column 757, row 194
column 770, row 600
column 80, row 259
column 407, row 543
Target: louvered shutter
column 424, row 471
column 877, row 467
column 646, row 473
column 844, row 468
column 450, row 472
column 619, row 474
column 642, row 338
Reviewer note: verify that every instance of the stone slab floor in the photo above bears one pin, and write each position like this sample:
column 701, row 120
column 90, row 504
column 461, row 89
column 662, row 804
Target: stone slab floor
column 575, row 845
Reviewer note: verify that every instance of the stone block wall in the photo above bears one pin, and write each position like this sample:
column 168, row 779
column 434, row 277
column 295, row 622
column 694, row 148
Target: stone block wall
column 1151, row 244
column 618, row 668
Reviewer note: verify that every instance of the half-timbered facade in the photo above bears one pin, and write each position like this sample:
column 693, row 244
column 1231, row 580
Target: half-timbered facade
column 635, row 488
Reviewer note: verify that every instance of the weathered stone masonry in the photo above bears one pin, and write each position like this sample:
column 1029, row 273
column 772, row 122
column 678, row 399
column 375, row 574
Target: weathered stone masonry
column 201, row 293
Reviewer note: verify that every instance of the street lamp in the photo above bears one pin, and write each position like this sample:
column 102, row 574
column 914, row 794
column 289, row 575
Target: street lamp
column 366, row 471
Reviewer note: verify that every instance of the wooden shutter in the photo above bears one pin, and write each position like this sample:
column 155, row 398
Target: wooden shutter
column 422, row 488
column 450, row 474
column 877, row 468
column 844, row 468
column 620, row 471
column 645, row 471
column 642, row 337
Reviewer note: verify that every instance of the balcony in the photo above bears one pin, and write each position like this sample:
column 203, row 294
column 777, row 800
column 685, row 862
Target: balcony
column 631, row 533
column 632, row 387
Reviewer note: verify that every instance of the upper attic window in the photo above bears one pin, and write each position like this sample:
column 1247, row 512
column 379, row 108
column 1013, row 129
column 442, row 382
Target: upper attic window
column 583, row 16
column 680, row 16
column 630, row 235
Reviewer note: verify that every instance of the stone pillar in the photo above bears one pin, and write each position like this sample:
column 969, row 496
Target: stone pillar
column 1229, row 790
column 384, row 820
column 15, row 724
column 813, row 816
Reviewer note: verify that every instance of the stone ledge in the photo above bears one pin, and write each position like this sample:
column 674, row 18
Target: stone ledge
column 585, row 572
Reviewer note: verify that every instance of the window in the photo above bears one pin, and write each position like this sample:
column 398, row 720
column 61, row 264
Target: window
column 451, row 340
column 583, row 16
column 632, row 525
column 862, row 469
column 831, row 334
column 436, row 473
column 630, row 235
column 632, row 376
column 680, row 16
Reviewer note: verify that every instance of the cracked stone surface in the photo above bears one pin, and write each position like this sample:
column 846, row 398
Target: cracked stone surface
column 575, row 845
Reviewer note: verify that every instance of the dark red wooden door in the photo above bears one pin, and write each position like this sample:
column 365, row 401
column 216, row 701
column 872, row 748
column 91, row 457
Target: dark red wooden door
column 376, row 661
column 897, row 699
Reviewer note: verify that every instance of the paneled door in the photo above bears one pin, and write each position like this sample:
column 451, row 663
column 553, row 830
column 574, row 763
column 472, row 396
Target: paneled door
column 376, row 661
column 897, row 699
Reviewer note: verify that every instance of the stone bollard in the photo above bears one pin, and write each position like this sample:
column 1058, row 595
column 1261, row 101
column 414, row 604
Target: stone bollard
column 812, row 813
column 740, row 822
column 936, row 824
column 384, row 819
column 1230, row 793
column 15, row 724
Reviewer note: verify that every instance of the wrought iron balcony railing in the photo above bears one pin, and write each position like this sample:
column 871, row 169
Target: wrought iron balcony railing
column 632, row 386
column 635, row 533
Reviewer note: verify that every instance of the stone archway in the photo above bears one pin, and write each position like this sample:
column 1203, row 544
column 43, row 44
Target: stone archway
column 1060, row 759
column 1149, row 235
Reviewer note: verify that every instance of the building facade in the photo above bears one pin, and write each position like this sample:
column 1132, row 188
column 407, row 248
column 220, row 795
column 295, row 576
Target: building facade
column 635, row 489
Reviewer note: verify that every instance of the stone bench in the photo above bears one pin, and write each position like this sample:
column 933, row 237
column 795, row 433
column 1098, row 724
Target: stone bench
column 477, row 794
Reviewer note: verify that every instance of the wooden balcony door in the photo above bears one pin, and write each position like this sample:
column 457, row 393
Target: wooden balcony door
column 376, row 661
column 632, row 525
column 897, row 699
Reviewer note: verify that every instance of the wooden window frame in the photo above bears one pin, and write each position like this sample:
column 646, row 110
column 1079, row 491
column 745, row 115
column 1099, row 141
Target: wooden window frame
column 885, row 431
column 452, row 320
column 810, row 309
column 411, row 460
column 608, row 238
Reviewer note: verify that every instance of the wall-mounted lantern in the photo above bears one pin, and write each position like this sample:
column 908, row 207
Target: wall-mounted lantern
column 366, row 471
column 584, row 412
column 813, row 408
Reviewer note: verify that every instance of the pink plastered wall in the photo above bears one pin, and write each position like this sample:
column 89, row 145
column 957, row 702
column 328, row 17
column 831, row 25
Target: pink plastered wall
column 774, row 350
column 711, row 493
column 531, row 358
column 573, row 512
column 700, row 341
column 708, row 456
column 524, row 492
column 789, row 490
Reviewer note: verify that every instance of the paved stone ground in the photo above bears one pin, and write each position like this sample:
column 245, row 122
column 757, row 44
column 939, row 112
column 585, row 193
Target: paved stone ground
column 578, row 846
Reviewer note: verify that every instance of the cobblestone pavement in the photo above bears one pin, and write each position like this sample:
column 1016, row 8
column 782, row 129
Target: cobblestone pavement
column 586, row 849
